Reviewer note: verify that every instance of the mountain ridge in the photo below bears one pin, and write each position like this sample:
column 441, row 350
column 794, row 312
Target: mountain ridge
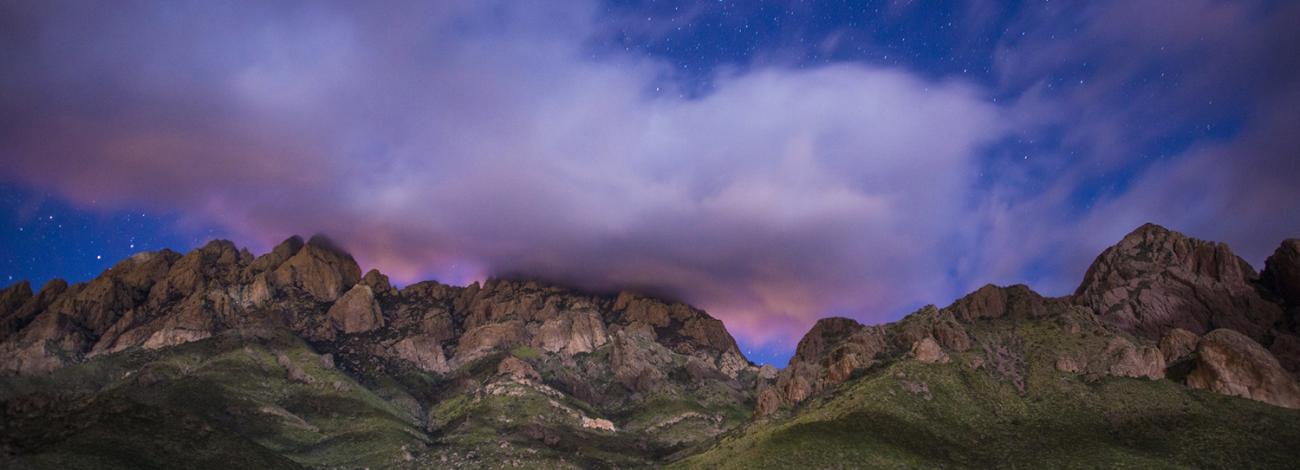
column 610, row 380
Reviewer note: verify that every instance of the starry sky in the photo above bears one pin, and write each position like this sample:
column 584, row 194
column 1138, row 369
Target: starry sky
column 771, row 162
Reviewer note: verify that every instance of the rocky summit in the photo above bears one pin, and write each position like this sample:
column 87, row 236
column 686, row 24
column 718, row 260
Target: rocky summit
column 1172, row 353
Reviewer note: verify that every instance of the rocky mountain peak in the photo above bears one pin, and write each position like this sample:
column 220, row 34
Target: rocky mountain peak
column 1156, row 279
column 824, row 334
column 1149, row 300
column 278, row 255
column 316, row 289
column 320, row 268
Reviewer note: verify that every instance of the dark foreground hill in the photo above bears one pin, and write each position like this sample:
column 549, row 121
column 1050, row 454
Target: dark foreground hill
column 1173, row 352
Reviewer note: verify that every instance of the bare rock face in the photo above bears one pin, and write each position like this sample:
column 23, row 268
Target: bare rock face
column 572, row 333
column 825, row 334
column 986, row 302
column 796, row 389
column 517, row 369
column 638, row 362
column 1231, row 363
column 477, row 342
column 768, row 402
column 1129, row 360
column 278, row 255
column 992, row 301
column 598, row 423
column 1070, row 364
column 320, row 269
column 357, row 311
column 424, row 351
column 928, row 350
column 950, row 334
column 1178, row 344
column 1155, row 280
column 378, row 283
column 637, row 308
column 827, row 355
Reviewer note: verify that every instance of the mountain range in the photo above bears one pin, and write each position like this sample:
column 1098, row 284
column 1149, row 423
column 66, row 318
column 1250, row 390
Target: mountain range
column 1172, row 353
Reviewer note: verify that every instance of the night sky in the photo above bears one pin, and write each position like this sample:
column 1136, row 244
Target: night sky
column 771, row 162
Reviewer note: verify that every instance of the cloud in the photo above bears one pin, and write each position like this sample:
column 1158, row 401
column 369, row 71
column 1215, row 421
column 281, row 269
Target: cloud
column 1181, row 117
column 463, row 139
column 469, row 139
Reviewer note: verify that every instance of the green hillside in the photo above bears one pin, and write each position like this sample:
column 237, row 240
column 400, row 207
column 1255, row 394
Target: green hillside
column 909, row 414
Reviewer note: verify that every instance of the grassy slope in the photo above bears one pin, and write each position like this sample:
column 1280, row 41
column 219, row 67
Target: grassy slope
column 228, row 401
column 909, row 414
column 219, row 403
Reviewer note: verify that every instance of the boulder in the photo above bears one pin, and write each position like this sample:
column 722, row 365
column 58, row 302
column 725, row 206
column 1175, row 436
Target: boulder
column 1231, row 363
column 378, row 282
column 950, row 334
column 768, row 402
column 1178, row 344
column 598, row 423
column 423, row 351
column 928, row 350
column 357, row 311
column 1069, row 364
column 796, row 388
column 1129, row 360
column 517, row 369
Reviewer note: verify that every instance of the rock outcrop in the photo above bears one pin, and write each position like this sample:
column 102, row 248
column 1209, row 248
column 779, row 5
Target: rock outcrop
column 516, row 369
column 1129, row 360
column 1147, row 298
column 1177, row 344
column 424, row 351
column 161, row 299
column 928, row 350
column 1231, row 363
column 357, row 311
column 319, row 268
column 571, row 333
column 1156, row 280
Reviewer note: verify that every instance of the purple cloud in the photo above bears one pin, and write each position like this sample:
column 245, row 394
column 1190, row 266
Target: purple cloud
column 471, row 141
column 464, row 139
